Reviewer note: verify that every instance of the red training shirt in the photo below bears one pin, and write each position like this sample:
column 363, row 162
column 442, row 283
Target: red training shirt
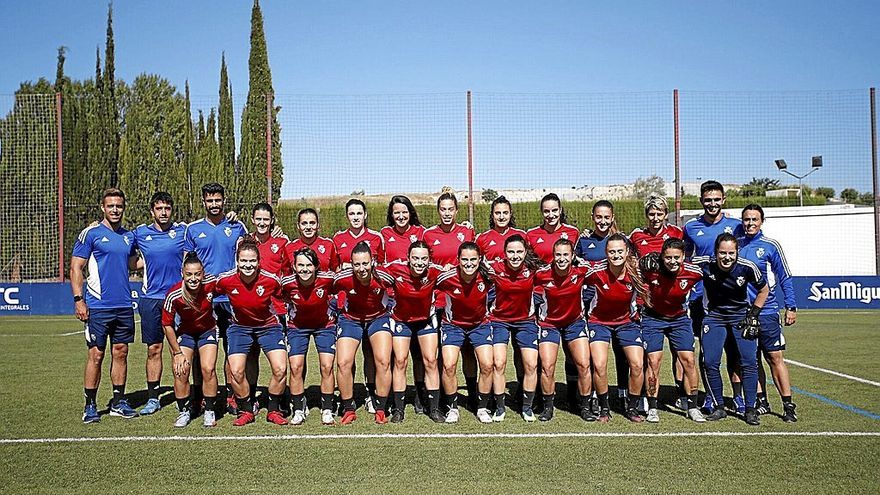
column 670, row 292
column 251, row 302
column 396, row 244
column 614, row 300
column 542, row 241
column 444, row 245
column 322, row 246
column 195, row 319
column 491, row 242
column 466, row 303
column 513, row 293
column 646, row 243
column 413, row 297
column 309, row 304
column 345, row 241
column 363, row 302
column 562, row 295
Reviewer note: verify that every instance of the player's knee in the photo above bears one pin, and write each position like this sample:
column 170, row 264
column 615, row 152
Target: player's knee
column 548, row 369
column 345, row 365
column 120, row 351
column 449, row 368
column 238, row 374
column 154, row 351
column 279, row 372
column 208, row 372
column 401, row 362
column 429, row 362
column 326, row 369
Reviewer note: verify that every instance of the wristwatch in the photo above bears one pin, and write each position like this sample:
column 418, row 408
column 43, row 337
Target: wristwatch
column 77, row 299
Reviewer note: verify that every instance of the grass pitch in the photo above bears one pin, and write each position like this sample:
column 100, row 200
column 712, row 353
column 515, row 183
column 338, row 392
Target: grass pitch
column 41, row 402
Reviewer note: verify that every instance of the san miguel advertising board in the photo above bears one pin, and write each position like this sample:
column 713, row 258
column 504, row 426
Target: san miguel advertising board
column 862, row 292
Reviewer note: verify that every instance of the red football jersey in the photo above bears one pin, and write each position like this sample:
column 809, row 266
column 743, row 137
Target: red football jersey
column 513, row 293
column 615, row 300
column 466, row 303
column 309, row 304
column 491, row 242
column 345, row 241
column 669, row 293
column 251, row 303
column 646, row 243
column 397, row 244
column 413, row 297
column 195, row 319
column 562, row 295
column 273, row 259
column 444, row 245
column 322, row 246
column 363, row 302
column 542, row 241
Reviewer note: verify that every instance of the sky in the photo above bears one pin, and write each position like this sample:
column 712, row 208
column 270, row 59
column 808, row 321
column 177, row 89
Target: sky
column 449, row 47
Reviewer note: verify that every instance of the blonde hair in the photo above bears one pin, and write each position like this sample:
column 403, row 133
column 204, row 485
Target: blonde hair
column 656, row 203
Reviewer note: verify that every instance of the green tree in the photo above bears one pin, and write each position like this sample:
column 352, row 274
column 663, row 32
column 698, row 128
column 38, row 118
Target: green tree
column 252, row 160
column 827, row 192
column 226, row 126
column 849, row 195
column 109, row 108
column 489, row 195
column 651, row 186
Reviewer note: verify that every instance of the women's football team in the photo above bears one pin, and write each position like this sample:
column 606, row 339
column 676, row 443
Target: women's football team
column 443, row 293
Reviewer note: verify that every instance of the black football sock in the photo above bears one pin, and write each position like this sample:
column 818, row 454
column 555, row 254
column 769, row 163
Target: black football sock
column 348, row 404
column 399, row 404
column 183, row 404
column 153, row 390
column 433, row 396
column 298, row 402
column 528, row 398
column 326, row 401
column 652, row 403
column 548, row 400
column 381, row 402
column 244, row 405
column 210, row 403
column 499, row 402
column 91, row 395
column 274, row 402
column 786, row 399
column 603, row 401
column 118, row 393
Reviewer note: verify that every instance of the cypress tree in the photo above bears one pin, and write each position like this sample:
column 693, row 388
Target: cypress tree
column 252, row 158
column 111, row 116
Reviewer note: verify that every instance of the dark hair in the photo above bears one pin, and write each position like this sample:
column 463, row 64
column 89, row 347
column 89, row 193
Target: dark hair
column 308, row 253
column 354, row 201
column 754, row 207
column 531, row 260
column 711, row 185
column 604, row 203
column 501, row 200
column 112, row 192
column 402, row 200
column 245, row 244
column 213, row 188
column 417, row 245
column 306, row 211
column 672, row 243
column 263, row 207
column 192, row 258
column 447, row 196
column 554, row 197
column 723, row 238
column 161, row 197
column 361, row 248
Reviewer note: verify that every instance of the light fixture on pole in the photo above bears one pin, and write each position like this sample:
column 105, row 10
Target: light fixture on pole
column 782, row 166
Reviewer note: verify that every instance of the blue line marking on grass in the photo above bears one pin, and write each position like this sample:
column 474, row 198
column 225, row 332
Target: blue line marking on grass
column 841, row 405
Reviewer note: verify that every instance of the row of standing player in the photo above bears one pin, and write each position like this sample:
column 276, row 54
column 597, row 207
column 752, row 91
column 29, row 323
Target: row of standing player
column 403, row 223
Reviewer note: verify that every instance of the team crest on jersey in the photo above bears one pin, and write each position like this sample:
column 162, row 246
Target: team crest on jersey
column 460, row 237
column 564, row 235
column 320, row 293
column 628, row 286
column 574, row 279
column 274, row 248
column 367, row 242
column 682, row 284
column 728, row 230
column 209, row 296
column 260, row 290
column 526, row 273
column 228, row 232
column 413, row 238
column 172, row 233
column 665, row 236
column 321, row 249
column 705, row 328
column 377, row 290
column 424, row 280
column 126, row 241
column 760, row 252
column 740, row 281
column 481, row 287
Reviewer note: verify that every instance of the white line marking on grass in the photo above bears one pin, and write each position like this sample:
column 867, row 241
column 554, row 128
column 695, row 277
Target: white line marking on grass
column 397, row 436
column 39, row 334
column 832, row 372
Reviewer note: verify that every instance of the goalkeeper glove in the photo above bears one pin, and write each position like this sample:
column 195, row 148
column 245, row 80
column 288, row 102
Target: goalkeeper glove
column 650, row 262
column 750, row 325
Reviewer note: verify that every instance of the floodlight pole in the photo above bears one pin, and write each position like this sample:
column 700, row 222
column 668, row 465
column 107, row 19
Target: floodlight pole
column 800, row 179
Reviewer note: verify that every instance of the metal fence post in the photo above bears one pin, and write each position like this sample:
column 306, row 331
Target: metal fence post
column 677, row 162
column 59, row 142
column 470, row 159
column 269, row 98
column 876, row 176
